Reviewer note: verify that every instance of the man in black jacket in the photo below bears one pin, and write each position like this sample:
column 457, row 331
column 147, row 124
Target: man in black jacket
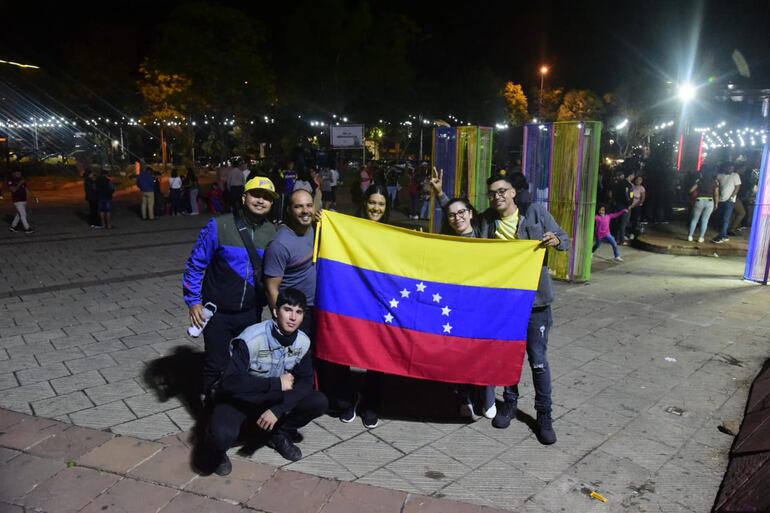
column 268, row 381
column 508, row 221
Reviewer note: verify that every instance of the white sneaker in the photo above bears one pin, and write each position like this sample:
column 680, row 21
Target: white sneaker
column 689, row 238
column 491, row 412
column 701, row 239
column 618, row 259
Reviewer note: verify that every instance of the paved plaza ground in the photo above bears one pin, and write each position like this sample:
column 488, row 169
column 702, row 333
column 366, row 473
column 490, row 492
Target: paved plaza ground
column 648, row 359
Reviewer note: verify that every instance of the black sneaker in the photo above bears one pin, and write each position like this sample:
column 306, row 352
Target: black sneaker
column 294, row 436
column 349, row 414
column 717, row 240
column 225, row 467
column 13, row 229
column 29, row 231
column 544, row 429
column 370, row 419
column 284, row 447
column 504, row 415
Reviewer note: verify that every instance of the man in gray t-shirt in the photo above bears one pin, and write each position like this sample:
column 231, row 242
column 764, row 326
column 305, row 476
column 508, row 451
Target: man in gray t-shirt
column 288, row 259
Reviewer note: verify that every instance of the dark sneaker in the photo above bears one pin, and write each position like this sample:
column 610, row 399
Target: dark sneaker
column 717, row 240
column 13, row 229
column 544, row 429
column 29, row 231
column 349, row 414
column 370, row 419
column 294, row 436
column 284, row 447
column 505, row 413
column 225, row 467
column 732, row 233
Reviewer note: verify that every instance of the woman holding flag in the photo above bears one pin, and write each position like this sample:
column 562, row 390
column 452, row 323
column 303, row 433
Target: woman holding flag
column 461, row 219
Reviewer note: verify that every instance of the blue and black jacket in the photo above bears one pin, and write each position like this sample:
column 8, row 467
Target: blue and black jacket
column 219, row 269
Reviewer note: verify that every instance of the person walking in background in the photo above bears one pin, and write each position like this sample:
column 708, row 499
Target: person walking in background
column 175, row 193
column 705, row 194
column 89, row 186
column 639, row 197
column 146, row 183
column 192, row 185
column 729, row 186
column 19, row 193
column 104, row 191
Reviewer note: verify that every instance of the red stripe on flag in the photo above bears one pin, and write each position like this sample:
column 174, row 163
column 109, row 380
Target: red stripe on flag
column 377, row 346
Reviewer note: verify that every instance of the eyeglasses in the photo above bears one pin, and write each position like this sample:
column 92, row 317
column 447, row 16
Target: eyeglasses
column 462, row 213
column 499, row 192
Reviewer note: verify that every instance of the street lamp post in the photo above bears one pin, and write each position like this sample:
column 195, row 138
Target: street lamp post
column 543, row 71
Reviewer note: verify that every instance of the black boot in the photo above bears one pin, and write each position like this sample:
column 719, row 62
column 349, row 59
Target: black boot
column 283, row 446
column 544, row 429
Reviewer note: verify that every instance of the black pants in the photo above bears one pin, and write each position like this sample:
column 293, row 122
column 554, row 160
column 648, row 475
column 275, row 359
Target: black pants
column 343, row 386
column 93, row 213
column 236, row 197
column 228, row 417
column 221, row 329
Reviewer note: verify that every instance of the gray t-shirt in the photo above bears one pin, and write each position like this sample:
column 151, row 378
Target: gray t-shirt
column 291, row 256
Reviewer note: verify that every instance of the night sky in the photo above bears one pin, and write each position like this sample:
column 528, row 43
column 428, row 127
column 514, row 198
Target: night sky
column 598, row 45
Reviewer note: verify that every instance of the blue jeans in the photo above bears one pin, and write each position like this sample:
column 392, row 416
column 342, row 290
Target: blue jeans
column 702, row 210
column 611, row 240
column 540, row 323
column 622, row 224
column 727, row 213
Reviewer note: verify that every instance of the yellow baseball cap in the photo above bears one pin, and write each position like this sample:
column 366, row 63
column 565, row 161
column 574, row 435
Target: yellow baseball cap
column 261, row 182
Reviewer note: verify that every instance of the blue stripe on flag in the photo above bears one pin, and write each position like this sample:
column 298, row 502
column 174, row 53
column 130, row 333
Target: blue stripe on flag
column 432, row 307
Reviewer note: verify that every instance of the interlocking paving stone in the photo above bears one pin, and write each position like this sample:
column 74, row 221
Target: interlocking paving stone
column 363, row 454
column 114, row 391
column 45, row 373
column 407, row 436
column 316, row 439
column 120, row 454
column 170, row 466
column 123, row 498
column 40, row 347
column 428, row 469
column 469, row 447
column 349, row 497
column 62, row 404
column 247, row 477
column 642, row 451
column 614, row 477
column 13, row 364
column 96, row 362
column 290, row 492
column 22, row 473
column 319, row 464
column 30, row 431
column 190, row 503
column 18, row 398
column 543, row 462
column 59, row 356
column 147, row 428
column 103, row 416
column 597, row 419
column 696, row 491
column 77, row 382
column 70, row 443
column 97, row 348
column 8, row 381
column 124, row 371
column 69, row 490
column 702, row 459
column 386, row 478
column 148, row 404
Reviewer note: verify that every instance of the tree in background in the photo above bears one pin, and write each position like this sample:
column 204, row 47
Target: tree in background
column 580, row 105
column 164, row 94
column 516, row 103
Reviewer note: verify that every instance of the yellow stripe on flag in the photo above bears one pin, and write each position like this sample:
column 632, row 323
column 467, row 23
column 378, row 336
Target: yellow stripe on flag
column 426, row 256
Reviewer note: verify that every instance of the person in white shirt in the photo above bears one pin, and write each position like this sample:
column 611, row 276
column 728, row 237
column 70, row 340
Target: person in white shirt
column 729, row 185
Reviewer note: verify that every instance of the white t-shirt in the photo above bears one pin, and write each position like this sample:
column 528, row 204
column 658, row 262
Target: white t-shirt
column 175, row 182
column 335, row 177
column 727, row 185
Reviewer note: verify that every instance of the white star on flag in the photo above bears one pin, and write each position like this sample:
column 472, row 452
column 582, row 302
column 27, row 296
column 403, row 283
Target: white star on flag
column 437, row 298
column 421, row 287
column 445, row 311
column 393, row 303
column 447, row 328
column 404, row 293
column 389, row 318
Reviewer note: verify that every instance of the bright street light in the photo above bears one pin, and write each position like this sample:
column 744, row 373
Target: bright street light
column 686, row 92
column 622, row 124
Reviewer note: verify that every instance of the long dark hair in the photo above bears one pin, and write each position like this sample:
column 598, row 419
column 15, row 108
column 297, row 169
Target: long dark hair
column 377, row 188
column 446, row 228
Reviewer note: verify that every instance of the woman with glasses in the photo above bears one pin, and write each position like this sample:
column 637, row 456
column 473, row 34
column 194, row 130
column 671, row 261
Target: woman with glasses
column 460, row 219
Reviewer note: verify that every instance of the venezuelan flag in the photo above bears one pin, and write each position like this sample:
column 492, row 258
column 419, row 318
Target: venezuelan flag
column 423, row 305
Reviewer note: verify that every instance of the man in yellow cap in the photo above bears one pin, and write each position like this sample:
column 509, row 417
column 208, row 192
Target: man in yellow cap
column 225, row 269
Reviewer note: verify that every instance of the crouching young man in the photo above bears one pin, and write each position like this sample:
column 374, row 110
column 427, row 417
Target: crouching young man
column 268, row 382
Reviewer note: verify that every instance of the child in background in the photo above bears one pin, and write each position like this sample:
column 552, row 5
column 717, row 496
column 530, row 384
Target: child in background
column 603, row 230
